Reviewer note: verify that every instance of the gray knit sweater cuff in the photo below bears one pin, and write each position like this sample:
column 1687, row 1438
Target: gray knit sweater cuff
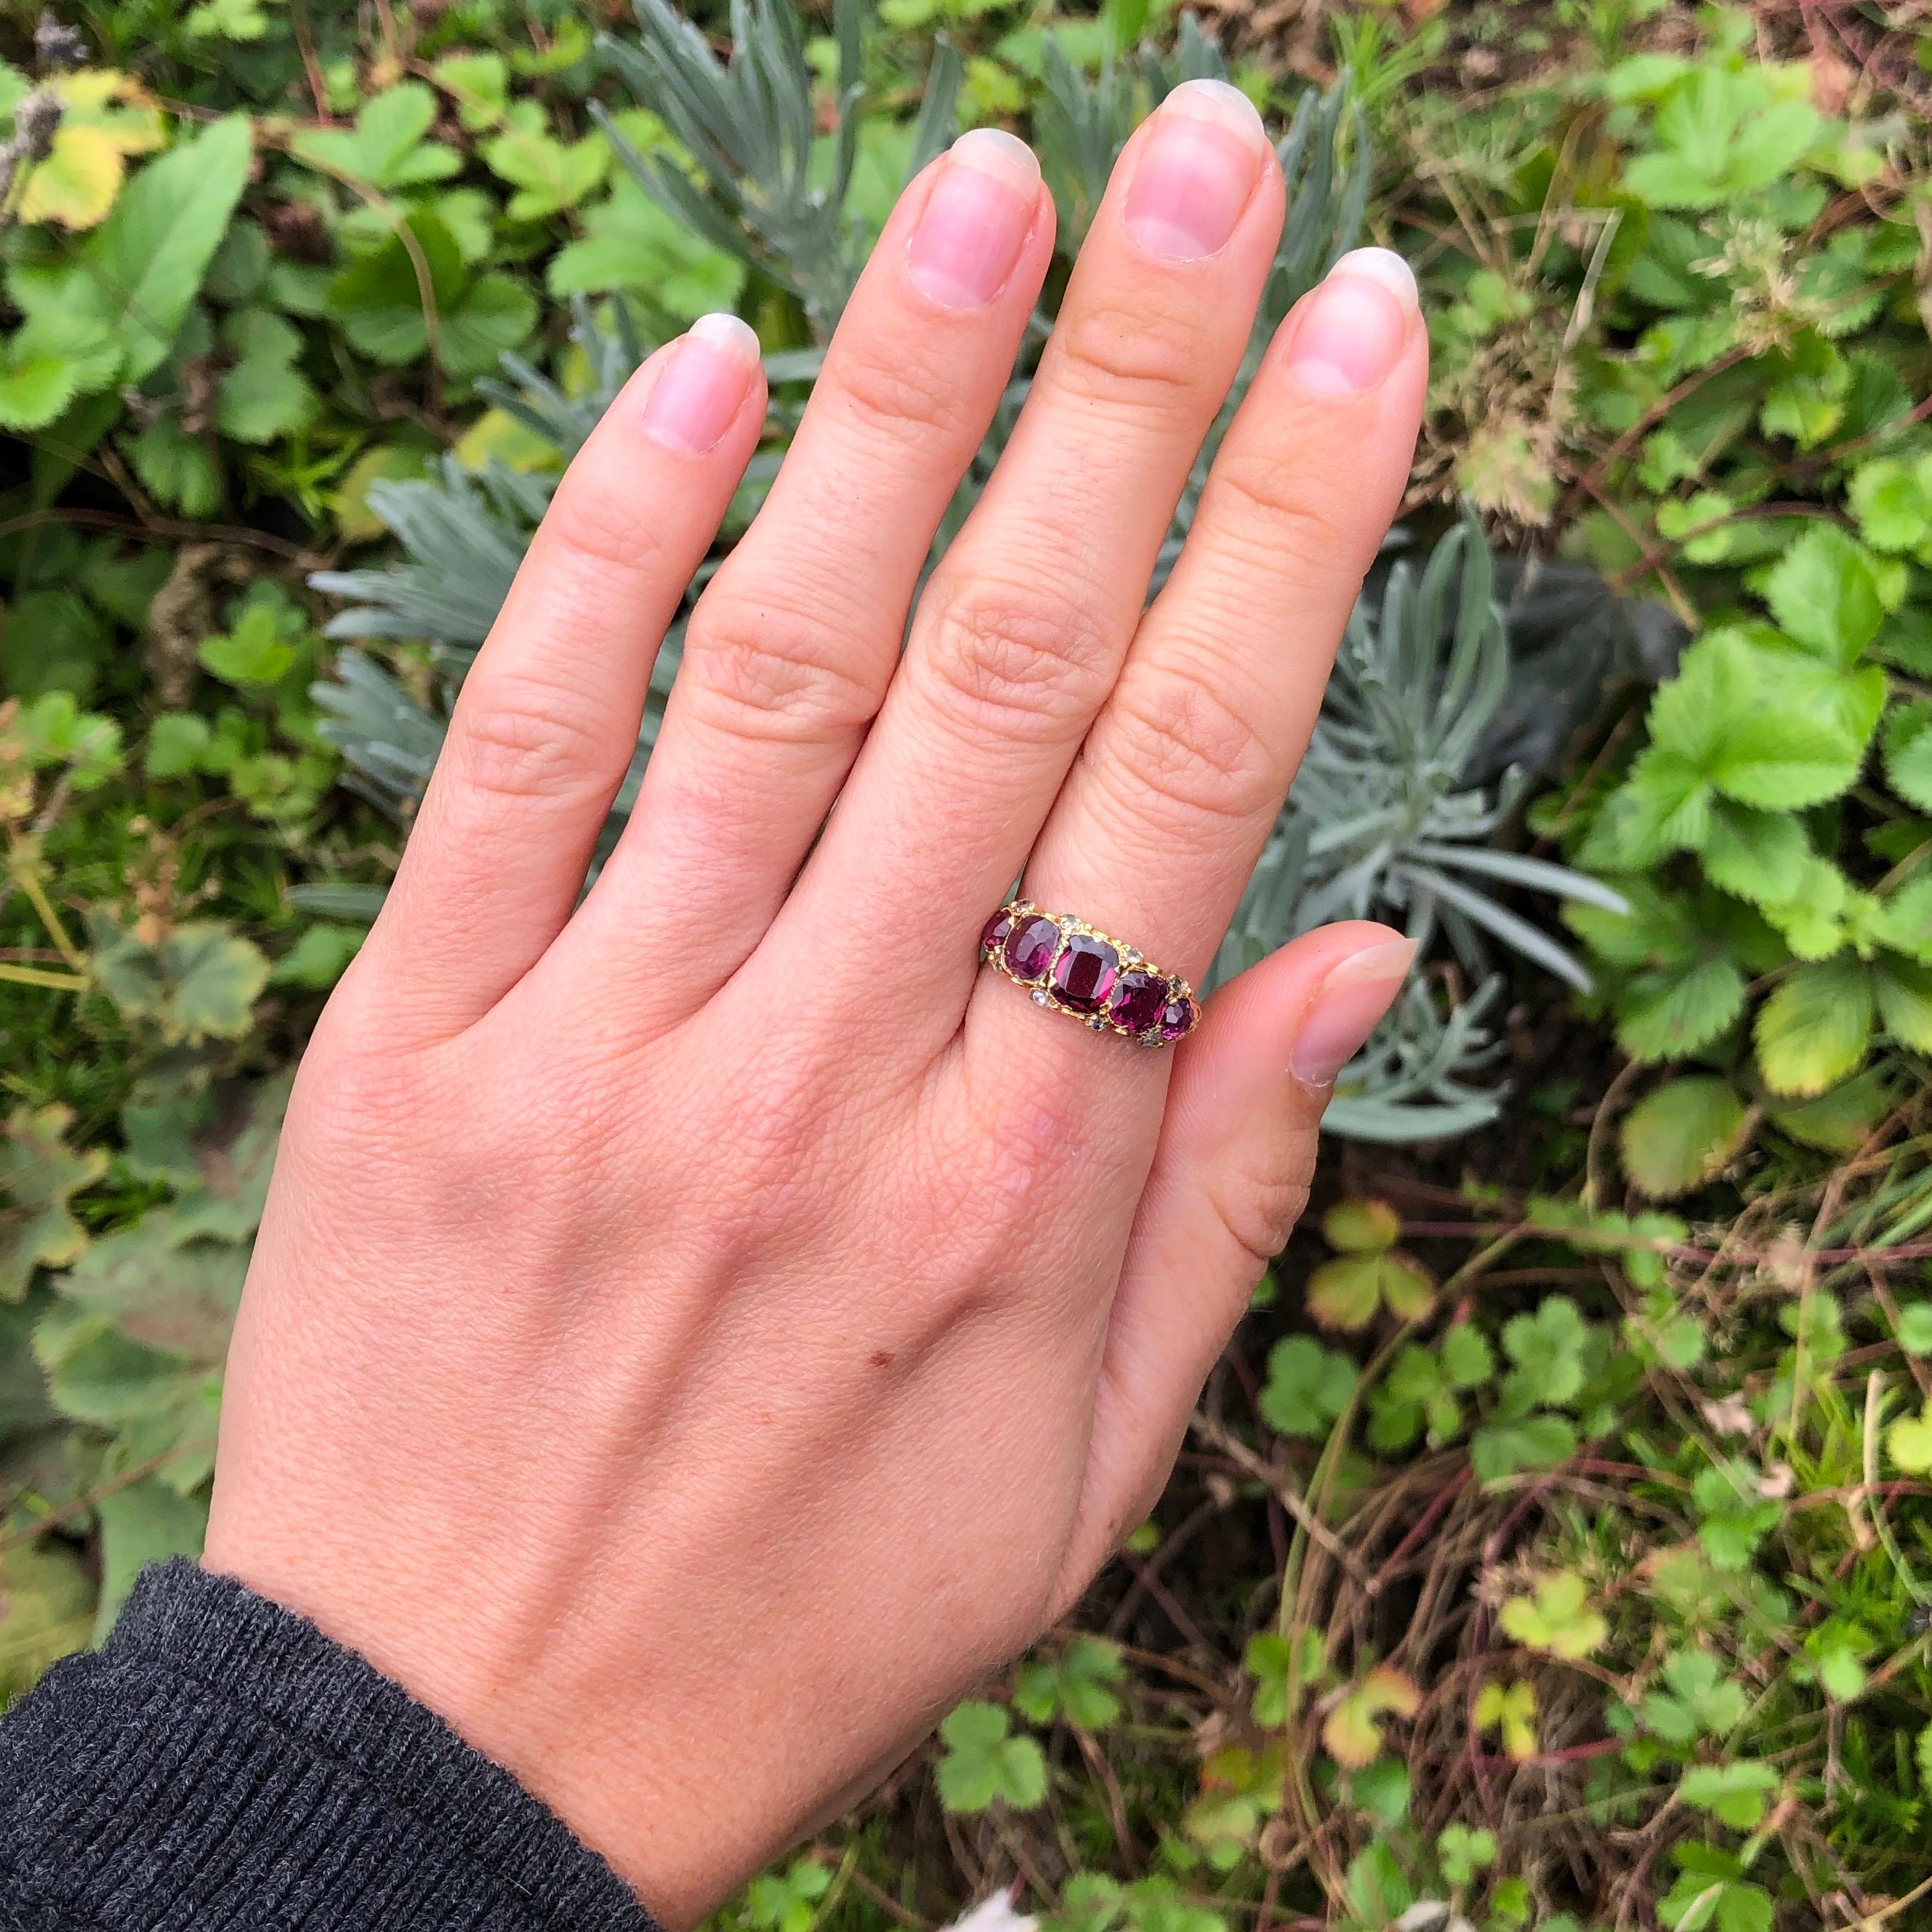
column 221, row 1765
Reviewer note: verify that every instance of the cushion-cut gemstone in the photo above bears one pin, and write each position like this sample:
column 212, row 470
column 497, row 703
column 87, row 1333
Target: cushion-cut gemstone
column 998, row 927
column 1137, row 999
column 1084, row 973
column 1030, row 946
column 1177, row 1016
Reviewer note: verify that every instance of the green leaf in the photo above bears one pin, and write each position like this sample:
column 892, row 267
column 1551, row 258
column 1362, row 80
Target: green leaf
column 1511, row 1710
column 1910, row 1442
column 262, row 397
column 199, row 981
column 254, row 653
column 1307, row 1387
column 549, row 176
column 40, row 1174
column 1815, row 1028
column 1892, row 500
column 1904, row 991
column 496, row 313
column 630, row 243
column 1547, row 1347
column 1076, row 1684
column 47, row 1611
column 1346, row 1292
column 1352, row 1731
column 182, row 470
column 1839, row 1120
column 1759, row 856
column 982, row 1764
column 1361, row 1227
column 386, row 149
column 139, row 290
column 1908, row 752
column 1676, row 1138
column 1823, row 592
column 1736, row 1795
column 1502, row 1449
column 1904, row 920
column 145, row 1522
column 1667, row 1015
column 1558, row 1618
column 379, row 299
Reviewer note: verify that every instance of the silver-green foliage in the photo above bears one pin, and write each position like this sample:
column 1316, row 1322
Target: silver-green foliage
column 1383, row 823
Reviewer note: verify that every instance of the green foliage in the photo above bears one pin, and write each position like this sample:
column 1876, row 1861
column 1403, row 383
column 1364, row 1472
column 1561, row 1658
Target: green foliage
column 983, row 1764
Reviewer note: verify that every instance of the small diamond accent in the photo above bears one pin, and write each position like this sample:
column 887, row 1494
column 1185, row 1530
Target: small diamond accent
column 1039, row 997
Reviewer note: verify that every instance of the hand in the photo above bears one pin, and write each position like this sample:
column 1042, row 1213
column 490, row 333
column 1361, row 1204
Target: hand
column 698, row 1333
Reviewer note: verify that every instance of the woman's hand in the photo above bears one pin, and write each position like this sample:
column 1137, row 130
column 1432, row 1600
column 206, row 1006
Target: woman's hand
column 696, row 1333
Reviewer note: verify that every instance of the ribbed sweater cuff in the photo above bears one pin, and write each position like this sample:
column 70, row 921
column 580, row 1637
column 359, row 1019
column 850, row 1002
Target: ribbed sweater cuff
column 222, row 1765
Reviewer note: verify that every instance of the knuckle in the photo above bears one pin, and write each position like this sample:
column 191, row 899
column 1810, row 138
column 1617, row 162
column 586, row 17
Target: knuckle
column 597, row 533
column 901, row 396
column 1015, row 662
column 524, row 739
column 759, row 668
column 1127, row 357
column 1258, row 1212
column 1280, row 504
column 1180, row 741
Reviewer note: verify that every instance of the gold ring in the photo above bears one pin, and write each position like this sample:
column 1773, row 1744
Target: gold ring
column 1075, row 968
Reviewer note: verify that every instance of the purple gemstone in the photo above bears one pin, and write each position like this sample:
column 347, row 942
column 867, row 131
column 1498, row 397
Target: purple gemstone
column 1030, row 946
column 1084, row 973
column 1139, row 997
column 998, row 927
column 1177, row 1016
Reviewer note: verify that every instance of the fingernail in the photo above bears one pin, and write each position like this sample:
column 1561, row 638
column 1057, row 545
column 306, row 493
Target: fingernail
column 1350, row 332
column 1347, row 1007
column 975, row 219
column 1194, row 171
column 703, row 386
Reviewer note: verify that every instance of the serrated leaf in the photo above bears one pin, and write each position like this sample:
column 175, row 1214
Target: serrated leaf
column 76, row 184
column 40, row 1174
column 1903, row 988
column 1757, row 855
column 141, row 292
column 1839, row 1120
column 1674, row 1139
column 1904, row 920
column 1815, row 1028
column 630, row 243
column 1823, row 593
column 1908, row 753
column 198, row 981
column 1667, row 1016
column 386, row 148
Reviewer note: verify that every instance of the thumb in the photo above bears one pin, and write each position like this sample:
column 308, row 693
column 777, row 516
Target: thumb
column 1229, row 1180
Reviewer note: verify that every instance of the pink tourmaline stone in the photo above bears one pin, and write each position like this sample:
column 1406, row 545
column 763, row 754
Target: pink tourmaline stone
column 1084, row 973
column 1030, row 946
column 1138, row 999
column 1177, row 1016
column 998, row 927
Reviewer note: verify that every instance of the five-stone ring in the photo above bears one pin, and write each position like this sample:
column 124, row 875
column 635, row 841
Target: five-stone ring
column 1074, row 967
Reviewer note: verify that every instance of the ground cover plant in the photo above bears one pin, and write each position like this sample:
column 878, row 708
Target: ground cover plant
column 1553, row 1545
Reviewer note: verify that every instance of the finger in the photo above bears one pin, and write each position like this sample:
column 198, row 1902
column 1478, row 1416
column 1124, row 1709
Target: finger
column 791, row 646
column 549, row 715
column 1020, row 633
column 1230, row 1179
column 1184, row 771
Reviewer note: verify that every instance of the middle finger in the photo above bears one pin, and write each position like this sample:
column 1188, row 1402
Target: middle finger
column 1022, row 631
